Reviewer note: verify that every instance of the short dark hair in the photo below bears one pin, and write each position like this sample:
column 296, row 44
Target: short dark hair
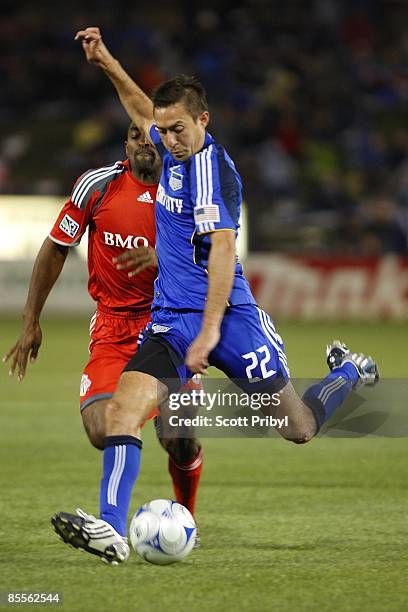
column 182, row 88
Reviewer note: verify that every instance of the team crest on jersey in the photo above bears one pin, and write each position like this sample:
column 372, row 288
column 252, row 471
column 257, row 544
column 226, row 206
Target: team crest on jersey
column 85, row 384
column 176, row 178
column 69, row 226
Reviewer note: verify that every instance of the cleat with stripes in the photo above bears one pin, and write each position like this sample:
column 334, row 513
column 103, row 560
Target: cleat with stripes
column 338, row 354
column 89, row 534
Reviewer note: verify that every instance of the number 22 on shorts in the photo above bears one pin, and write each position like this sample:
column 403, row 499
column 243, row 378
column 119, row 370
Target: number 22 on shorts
column 255, row 362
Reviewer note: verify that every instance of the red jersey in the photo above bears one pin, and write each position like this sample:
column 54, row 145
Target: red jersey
column 119, row 213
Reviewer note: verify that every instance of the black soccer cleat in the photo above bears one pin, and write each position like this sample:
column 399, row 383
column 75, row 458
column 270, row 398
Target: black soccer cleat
column 336, row 353
column 87, row 533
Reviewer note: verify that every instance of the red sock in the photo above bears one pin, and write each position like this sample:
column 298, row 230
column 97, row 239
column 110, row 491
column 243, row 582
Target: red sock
column 186, row 477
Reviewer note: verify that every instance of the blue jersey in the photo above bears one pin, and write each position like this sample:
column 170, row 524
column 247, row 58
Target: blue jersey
column 194, row 198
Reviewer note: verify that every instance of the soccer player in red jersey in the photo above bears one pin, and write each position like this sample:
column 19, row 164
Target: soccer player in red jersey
column 116, row 204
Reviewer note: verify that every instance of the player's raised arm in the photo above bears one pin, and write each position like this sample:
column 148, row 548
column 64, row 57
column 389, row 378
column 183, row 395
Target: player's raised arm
column 137, row 104
column 47, row 268
column 221, row 265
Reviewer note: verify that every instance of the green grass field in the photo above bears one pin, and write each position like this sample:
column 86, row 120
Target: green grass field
column 284, row 527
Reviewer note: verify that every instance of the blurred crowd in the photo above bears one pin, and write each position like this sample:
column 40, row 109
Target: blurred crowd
column 309, row 98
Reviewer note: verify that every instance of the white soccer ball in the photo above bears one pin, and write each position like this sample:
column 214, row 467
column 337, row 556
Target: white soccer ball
column 162, row 532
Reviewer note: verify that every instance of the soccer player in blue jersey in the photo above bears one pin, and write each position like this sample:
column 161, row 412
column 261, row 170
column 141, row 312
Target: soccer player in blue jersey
column 203, row 311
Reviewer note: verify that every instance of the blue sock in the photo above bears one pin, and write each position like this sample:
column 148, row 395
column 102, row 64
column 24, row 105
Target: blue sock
column 121, row 460
column 327, row 395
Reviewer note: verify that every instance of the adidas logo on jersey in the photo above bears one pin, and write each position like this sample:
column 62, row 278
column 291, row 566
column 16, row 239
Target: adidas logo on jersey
column 145, row 197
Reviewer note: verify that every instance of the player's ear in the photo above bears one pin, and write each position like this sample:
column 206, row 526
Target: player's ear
column 126, row 147
column 204, row 118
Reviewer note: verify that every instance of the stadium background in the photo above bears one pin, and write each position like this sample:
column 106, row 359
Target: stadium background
column 309, row 99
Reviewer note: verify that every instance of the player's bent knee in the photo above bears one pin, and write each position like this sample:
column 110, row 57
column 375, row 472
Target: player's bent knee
column 96, row 438
column 301, row 440
column 181, row 450
column 93, row 418
column 300, row 436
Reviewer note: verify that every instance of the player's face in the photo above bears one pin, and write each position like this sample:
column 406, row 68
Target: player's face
column 181, row 134
column 143, row 155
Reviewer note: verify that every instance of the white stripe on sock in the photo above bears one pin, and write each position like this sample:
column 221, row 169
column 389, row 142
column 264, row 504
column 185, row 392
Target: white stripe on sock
column 327, row 395
column 119, row 475
column 113, row 484
column 328, row 389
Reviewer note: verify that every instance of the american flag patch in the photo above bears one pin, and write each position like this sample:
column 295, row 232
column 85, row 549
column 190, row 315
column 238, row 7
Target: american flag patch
column 207, row 214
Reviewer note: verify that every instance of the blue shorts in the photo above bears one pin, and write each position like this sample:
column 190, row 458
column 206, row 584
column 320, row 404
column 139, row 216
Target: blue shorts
column 250, row 351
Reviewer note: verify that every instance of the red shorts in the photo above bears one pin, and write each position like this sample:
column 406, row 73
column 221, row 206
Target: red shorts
column 114, row 340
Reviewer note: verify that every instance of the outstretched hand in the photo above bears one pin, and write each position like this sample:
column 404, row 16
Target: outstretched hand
column 95, row 49
column 136, row 260
column 26, row 347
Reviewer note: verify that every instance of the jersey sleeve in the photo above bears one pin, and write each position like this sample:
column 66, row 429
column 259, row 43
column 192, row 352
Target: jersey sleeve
column 215, row 188
column 70, row 225
column 157, row 141
column 77, row 211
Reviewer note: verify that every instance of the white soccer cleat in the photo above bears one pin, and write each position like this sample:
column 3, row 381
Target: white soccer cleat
column 85, row 532
column 338, row 354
